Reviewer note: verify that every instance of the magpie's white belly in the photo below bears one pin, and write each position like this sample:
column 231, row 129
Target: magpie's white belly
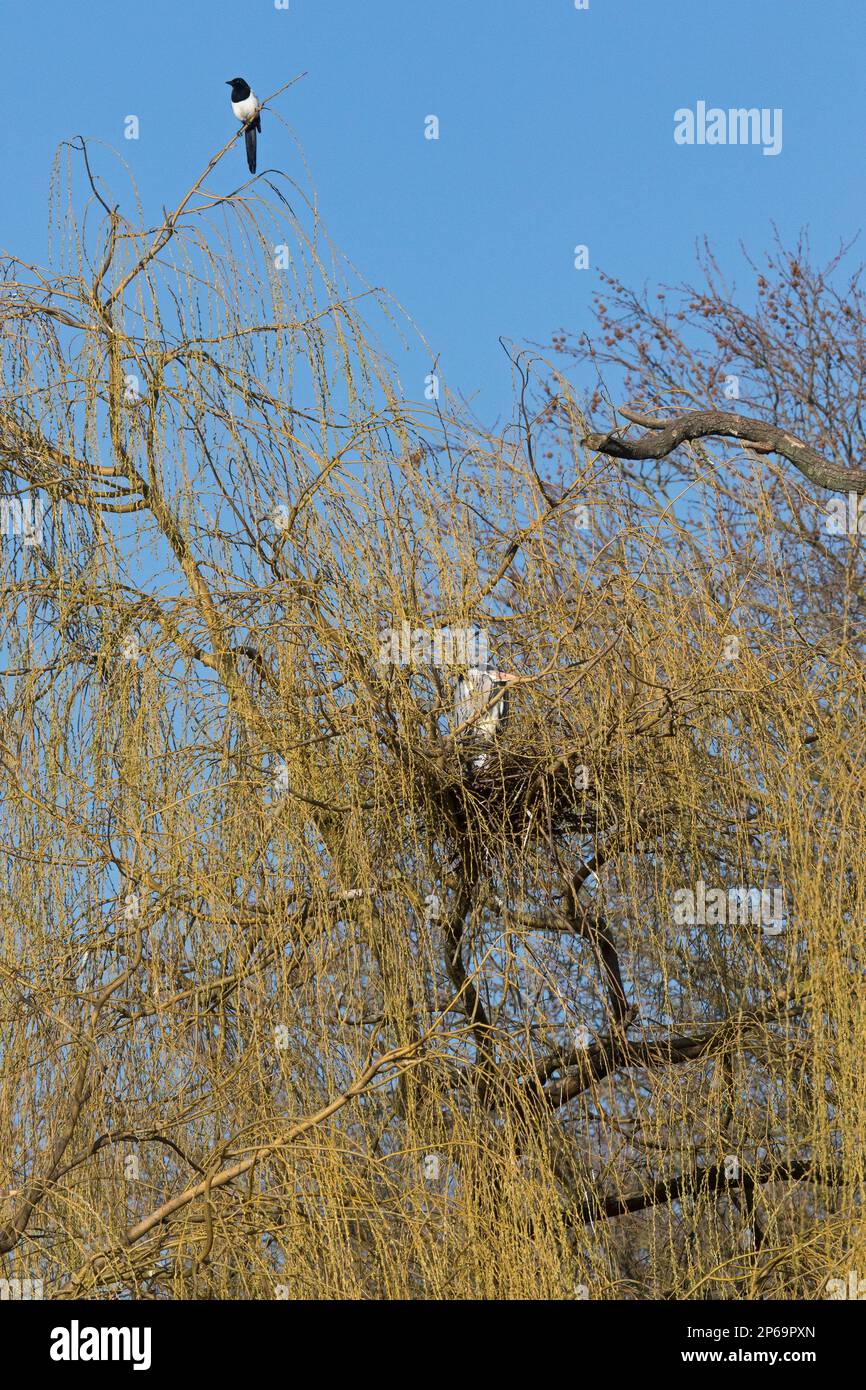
column 246, row 108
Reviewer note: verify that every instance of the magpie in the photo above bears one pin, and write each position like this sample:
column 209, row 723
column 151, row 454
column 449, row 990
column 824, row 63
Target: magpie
column 245, row 105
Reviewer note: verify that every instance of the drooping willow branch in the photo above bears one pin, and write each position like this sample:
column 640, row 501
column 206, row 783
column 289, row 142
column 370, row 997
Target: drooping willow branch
column 227, row 1174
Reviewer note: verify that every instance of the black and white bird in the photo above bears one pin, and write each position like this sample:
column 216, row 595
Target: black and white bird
column 245, row 105
column 481, row 706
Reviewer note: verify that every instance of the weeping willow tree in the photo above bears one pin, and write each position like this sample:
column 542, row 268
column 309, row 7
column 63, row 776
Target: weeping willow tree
column 299, row 995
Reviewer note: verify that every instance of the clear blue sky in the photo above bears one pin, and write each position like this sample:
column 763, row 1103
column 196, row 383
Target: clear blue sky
column 556, row 129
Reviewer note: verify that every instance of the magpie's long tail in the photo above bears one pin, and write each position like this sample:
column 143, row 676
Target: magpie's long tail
column 250, row 137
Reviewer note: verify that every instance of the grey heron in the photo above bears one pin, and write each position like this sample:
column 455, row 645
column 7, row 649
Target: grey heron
column 481, row 705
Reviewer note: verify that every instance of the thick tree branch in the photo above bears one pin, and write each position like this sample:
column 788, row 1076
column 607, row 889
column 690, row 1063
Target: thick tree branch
column 663, row 436
column 700, row 1181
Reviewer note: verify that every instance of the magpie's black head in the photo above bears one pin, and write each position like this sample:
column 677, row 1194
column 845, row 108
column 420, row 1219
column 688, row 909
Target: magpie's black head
column 240, row 88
